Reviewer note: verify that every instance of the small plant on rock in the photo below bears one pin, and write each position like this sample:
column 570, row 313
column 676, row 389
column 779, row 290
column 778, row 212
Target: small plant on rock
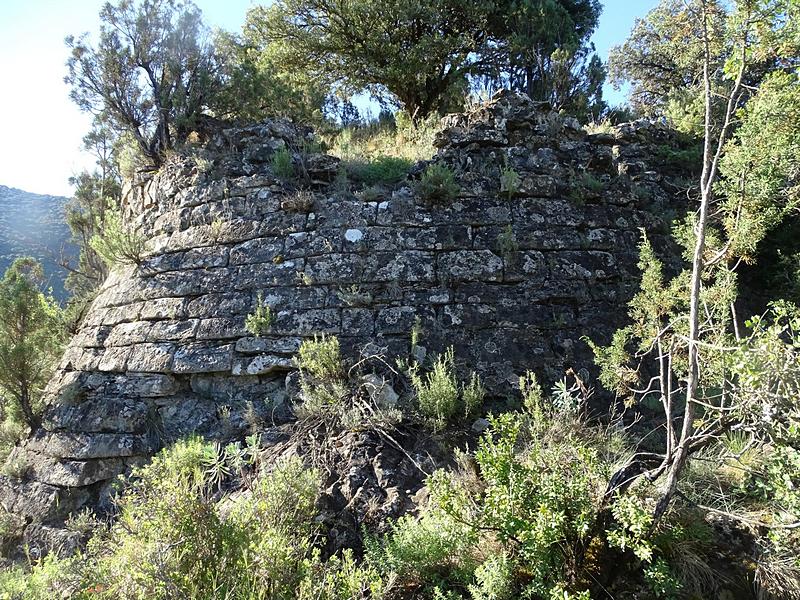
column 510, row 182
column 118, row 243
column 322, row 382
column 282, row 164
column 441, row 400
column 438, row 185
column 382, row 169
column 259, row 322
column 507, row 243
column 301, row 201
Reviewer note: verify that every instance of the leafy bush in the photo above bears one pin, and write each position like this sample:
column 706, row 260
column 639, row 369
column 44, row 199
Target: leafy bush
column 177, row 538
column 517, row 523
column 437, row 185
column 431, row 550
column 440, row 398
column 118, row 243
column 322, row 381
column 381, row 169
column 687, row 158
column 282, row 165
column 321, row 358
column 259, row 322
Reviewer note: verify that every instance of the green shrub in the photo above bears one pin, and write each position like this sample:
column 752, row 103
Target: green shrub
column 381, row 169
column 507, row 243
column 322, row 381
column 513, row 524
column 425, row 551
column 440, row 399
column 687, row 158
column 437, row 185
column 260, row 322
column 510, row 182
column 118, row 243
column 661, row 581
column 321, row 358
column 282, row 165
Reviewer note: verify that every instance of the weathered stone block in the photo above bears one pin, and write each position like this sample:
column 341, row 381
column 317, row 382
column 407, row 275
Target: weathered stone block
column 263, row 364
column 221, row 328
column 263, row 250
column 467, row 265
column 257, row 345
column 151, row 358
column 203, row 358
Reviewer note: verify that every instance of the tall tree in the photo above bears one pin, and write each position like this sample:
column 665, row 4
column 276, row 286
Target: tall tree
column 542, row 48
column 750, row 181
column 30, row 338
column 153, row 71
column 85, row 213
column 664, row 58
column 416, row 51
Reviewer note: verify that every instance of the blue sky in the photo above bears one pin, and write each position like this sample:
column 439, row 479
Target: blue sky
column 42, row 130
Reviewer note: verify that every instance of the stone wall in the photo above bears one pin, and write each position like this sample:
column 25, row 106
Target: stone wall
column 511, row 280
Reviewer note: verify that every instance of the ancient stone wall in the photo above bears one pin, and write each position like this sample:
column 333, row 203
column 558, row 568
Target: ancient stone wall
column 511, row 278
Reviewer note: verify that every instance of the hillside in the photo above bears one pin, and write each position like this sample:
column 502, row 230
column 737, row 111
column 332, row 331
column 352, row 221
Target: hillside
column 33, row 225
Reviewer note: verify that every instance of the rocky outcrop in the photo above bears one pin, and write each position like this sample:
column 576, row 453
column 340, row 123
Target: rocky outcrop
column 510, row 275
column 34, row 225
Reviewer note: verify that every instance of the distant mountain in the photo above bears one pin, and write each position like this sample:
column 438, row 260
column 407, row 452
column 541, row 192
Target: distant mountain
column 33, row 225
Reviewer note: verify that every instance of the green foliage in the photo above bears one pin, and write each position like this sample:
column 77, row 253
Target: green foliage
column 260, row 322
column 510, row 182
column 632, row 529
column 321, row 358
column 422, row 55
column 687, row 159
column 663, row 55
column 585, row 186
column 323, row 383
column 175, row 537
column 507, row 243
column 343, row 44
column 440, row 399
column 438, row 185
column 381, row 169
column 425, row 551
column 31, row 334
column 153, row 72
column 392, row 136
column 258, row 84
column 85, row 213
column 661, row 581
column 516, row 523
column 760, row 181
column 282, row 164
column 118, row 243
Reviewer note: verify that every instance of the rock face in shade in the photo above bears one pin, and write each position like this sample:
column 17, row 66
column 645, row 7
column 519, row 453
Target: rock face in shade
column 511, row 278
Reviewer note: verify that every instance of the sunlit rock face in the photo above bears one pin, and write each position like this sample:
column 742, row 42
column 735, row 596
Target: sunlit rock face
column 511, row 278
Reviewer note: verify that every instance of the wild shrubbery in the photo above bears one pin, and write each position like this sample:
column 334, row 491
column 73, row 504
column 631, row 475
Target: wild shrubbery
column 117, row 242
column 440, row 398
column 178, row 536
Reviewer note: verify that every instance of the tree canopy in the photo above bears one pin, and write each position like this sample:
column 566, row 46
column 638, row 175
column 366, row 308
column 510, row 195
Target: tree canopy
column 30, row 337
column 424, row 56
column 152, row 73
